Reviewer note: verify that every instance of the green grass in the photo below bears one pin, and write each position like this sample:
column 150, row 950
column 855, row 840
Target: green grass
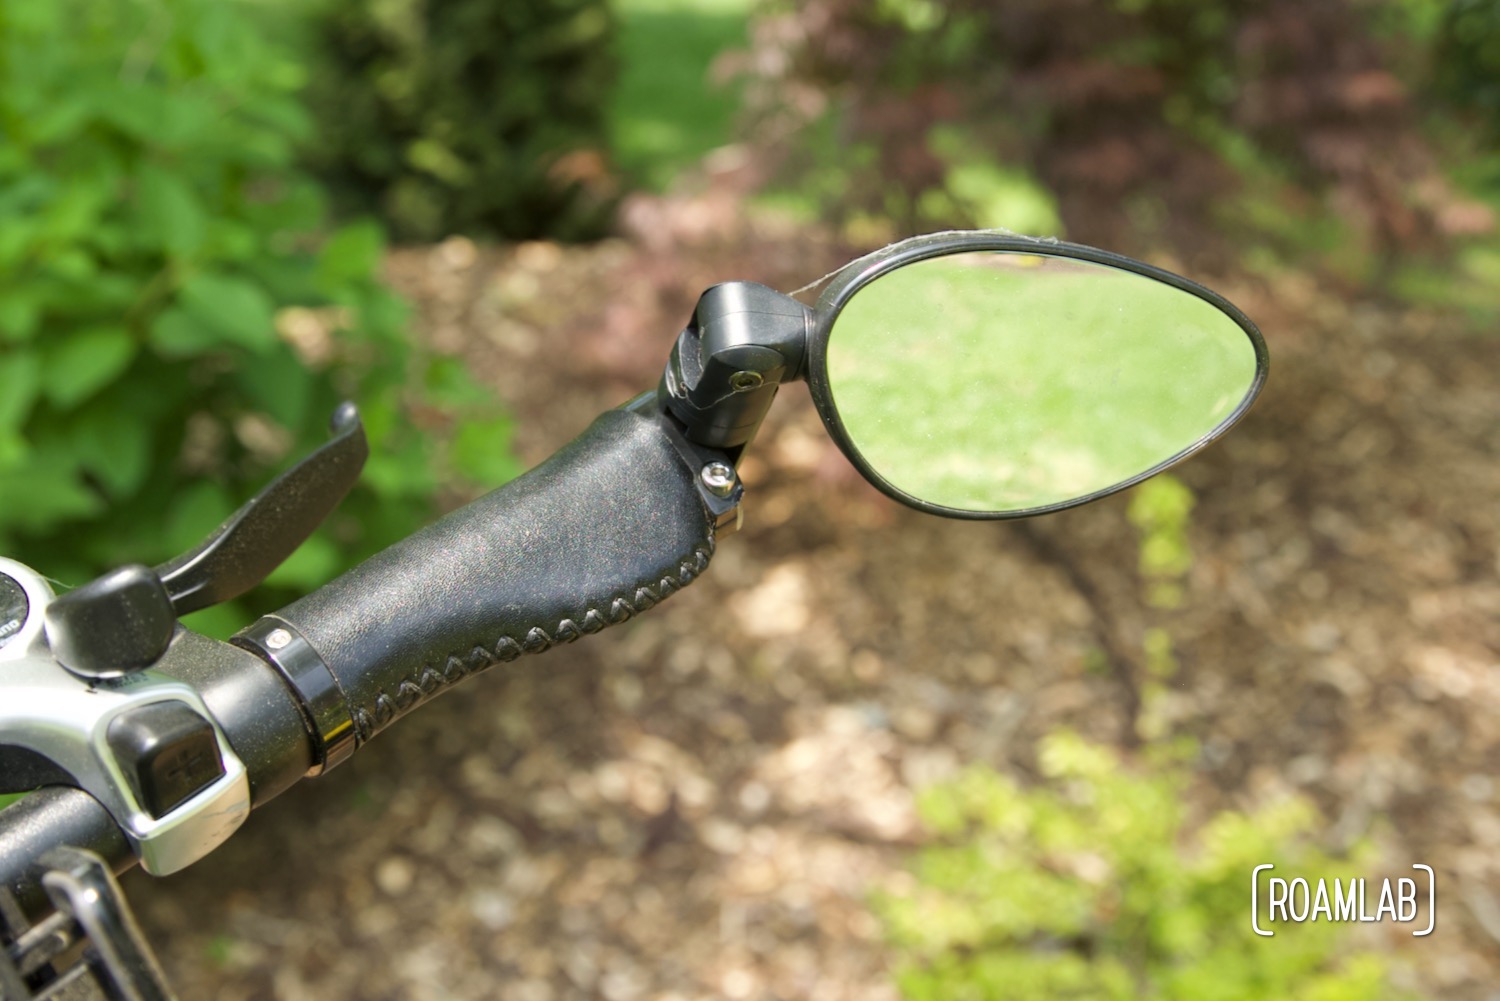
column 7, row 799
column 992, row 382
column 667, row 113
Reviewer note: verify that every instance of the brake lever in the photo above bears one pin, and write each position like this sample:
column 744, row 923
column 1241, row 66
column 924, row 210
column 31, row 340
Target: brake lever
column 272, row 524
column 123, row 621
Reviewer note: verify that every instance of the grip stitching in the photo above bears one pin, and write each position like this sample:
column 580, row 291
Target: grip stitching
column 431, row 678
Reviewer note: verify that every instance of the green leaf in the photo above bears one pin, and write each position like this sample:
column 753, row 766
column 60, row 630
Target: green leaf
column 237, row 309
column 73, row 265
column 178, row 334
column 231, row 240
column 351, row 254
column 172, row 118
column 285, row 116
column 34, row 19
column 197, row 511
column 63, row 120
column 481, row 452
column 78, row 363
column 13, row 451
column 449, row 385
column 218, row 621
column 168, row 211
column 75, row 212
column 299, row 209
column 401, row 472
column 440, row 161
column 116, row 452
column 278, row 384
column 136, row 111
column 16, row 239
column 45, row 493
column 20, row 379
column 383, row 316
column 315, row 563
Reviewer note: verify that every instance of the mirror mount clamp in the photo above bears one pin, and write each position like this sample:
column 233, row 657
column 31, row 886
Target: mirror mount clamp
column 743, row 342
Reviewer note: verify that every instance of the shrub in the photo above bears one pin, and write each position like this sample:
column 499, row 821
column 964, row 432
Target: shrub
column 469, row 116
column 1467, row 59
column 153, row 235
column 1094, row 886
column 1151, row 122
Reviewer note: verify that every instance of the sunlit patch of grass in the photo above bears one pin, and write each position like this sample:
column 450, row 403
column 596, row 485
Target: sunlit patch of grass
column 667, row 113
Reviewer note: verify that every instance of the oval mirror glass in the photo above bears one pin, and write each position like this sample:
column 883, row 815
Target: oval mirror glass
column 1003, row 383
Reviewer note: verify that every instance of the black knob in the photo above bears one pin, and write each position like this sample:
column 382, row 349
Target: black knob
column 120, row 623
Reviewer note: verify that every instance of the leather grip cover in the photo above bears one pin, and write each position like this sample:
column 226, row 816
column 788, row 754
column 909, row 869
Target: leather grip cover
column 603, row 530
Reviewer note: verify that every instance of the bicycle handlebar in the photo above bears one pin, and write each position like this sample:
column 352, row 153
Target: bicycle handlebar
column 44, row 820
column 604, row 529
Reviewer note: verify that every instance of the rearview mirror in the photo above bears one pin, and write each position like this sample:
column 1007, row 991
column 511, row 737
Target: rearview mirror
column 981, row 375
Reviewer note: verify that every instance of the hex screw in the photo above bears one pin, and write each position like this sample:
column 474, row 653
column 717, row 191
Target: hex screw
column 743, row 382
column 719, row 478
column 278, row 638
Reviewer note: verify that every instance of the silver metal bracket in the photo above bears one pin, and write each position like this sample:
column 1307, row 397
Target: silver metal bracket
column 66, row 720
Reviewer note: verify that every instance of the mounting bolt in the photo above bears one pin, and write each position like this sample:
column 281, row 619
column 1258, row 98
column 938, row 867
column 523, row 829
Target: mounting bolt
column 278, row 638
column 718, row 477
column 743, row 382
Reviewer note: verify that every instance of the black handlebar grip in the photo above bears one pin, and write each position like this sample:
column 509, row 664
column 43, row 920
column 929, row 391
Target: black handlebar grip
column 604, row 529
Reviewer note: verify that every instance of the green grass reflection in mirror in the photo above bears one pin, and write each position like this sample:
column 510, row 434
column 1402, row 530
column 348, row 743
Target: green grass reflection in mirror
column 998, row 381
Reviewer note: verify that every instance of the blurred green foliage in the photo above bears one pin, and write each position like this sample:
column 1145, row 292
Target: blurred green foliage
column 1260, row 133
column 466, row 116
column 937, row 114
column 1466, row 63
column 154, row 231
column 668, row 110
column 1095, row 885
column 1160, row 510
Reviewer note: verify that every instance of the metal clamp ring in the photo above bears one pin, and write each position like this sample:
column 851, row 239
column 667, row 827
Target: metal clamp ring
column 325, row 710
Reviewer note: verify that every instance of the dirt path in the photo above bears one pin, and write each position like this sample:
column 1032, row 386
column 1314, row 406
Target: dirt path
column 697, row 804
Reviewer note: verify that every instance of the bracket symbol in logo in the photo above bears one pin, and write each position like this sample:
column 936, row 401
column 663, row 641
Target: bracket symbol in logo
column 1255, row 900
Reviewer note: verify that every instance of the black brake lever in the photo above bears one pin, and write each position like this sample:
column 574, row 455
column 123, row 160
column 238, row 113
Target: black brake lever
column 272, row 524
column 123, row 621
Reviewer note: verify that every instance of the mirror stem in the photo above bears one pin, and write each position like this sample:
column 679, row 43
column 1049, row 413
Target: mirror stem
column 744, row 341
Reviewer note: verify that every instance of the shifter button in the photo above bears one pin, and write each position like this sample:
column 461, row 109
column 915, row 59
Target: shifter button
column 167, row 751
